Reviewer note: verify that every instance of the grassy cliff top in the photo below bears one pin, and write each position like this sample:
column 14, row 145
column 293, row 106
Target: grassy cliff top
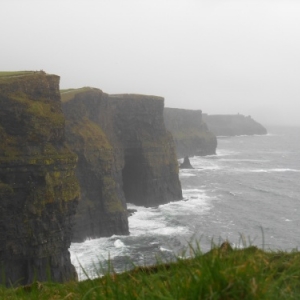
column 11, row 75
column 14, row 73
column 68, row 94
column 135, row 96
column 222, row 273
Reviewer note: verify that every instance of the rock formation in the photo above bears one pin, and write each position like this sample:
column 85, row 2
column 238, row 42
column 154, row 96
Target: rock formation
column 186, row 164
column 230, row 125
column 38, row 188
column 190, row 133
column 125, row 155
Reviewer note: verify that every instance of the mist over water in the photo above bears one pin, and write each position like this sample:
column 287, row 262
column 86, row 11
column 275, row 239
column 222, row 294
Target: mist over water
column 248, row 193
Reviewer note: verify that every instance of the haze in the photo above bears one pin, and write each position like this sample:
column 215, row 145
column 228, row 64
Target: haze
column 224, row 57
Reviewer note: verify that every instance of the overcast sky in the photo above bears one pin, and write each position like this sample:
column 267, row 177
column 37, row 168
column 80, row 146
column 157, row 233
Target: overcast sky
column 221, row 56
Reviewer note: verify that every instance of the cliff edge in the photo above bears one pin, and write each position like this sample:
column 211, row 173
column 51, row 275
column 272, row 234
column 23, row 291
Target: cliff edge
column 190, row 132
column 231, row 125
column 125, row 155
column 38, row 187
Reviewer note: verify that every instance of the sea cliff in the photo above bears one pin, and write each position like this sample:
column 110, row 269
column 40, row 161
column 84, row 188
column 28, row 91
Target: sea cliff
column 191, row 135
column 38, row 188
column 125, row 155
column 231, row 125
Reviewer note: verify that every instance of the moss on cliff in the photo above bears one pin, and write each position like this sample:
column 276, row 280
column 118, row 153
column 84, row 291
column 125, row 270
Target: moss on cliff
column 125, row 151
column 102, row 209
column 69, row 94
column 38, row 187
column 7, row 75
column 6, row 190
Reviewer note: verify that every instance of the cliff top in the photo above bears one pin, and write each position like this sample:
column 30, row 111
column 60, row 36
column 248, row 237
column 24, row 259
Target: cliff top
column 68, row 94
column 256, row 274
column 182, row 110
column 14, row 73
column 135, row 96
column 11, row 75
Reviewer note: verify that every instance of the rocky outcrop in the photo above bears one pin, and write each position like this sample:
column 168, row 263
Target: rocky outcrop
column 38, row 188
column 190, row 132
column 125, row 155
column 186, row 164
column 231, row 125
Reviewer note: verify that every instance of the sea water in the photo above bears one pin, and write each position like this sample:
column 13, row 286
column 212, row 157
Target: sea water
column 249, row 194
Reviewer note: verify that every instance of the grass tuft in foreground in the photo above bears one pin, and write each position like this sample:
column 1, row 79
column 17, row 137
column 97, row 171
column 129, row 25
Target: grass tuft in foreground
column 223, row 273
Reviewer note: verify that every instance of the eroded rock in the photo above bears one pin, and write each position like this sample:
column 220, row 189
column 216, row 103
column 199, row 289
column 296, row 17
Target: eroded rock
column 125, row 155
column 191, row 135
column 38, row 188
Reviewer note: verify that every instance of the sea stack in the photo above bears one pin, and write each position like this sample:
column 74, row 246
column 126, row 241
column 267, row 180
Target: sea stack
column 38, row 188
column 186, row 164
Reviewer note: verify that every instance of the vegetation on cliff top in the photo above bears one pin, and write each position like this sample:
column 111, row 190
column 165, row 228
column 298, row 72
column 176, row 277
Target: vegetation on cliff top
column 4, row 74
column 7, row 76
column 68, row 94
column 222, row 273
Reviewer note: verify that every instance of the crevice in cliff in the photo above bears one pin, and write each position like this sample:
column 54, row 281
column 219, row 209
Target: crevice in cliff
column 132, row 175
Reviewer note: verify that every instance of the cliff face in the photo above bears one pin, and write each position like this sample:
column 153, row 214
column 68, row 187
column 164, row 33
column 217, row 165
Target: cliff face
column 190, row 132
column 125, row 155
column 38, row 188
column 102, row 208
column 230, row 125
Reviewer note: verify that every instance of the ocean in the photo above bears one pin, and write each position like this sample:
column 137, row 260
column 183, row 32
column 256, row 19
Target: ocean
column 248, row 193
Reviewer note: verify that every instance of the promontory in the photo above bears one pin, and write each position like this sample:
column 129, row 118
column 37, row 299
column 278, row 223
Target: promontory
column 38, row 188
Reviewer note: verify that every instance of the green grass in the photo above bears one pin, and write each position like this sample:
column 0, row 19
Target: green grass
column 223, row 273
column 16, row 73
column 68, row 94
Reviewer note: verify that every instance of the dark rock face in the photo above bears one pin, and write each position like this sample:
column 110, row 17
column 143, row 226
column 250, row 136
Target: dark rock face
column 125, row 155
column 38, row 188
column 186, row 164
column 231, row 125
column 191, row 135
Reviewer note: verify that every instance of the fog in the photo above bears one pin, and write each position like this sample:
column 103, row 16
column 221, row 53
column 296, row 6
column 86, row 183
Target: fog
column 224, row 57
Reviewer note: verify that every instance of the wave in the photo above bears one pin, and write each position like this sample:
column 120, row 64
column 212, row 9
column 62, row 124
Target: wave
column 223, row 152
column 165, row 249
column 186, row 174
column 244, row 160
column 192, row 191
column 119, row 244
column 274, row 170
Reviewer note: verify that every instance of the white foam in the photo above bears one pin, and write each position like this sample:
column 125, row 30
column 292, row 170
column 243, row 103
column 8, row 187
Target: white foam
column 91, row 253
column 119, row 244
column 243, row 160
column 203, row 163
column 192, row 191
column 222, row 152
column 184, row 174
column 165, row 249
column 273, row 170
column 168, row 231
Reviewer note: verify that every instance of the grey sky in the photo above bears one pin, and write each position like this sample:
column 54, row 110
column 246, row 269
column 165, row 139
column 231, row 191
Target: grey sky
column 219, row 56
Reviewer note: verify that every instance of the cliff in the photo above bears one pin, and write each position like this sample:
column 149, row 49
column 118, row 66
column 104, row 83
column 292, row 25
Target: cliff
column 38, row 187
column 125, row 155
column 191, row 135
column 230, row 125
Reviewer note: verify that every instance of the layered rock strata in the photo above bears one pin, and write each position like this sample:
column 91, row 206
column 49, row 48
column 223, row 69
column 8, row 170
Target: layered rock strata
column 125, row 155
column 191, row 135
column 38, row 188
column 231, row 125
